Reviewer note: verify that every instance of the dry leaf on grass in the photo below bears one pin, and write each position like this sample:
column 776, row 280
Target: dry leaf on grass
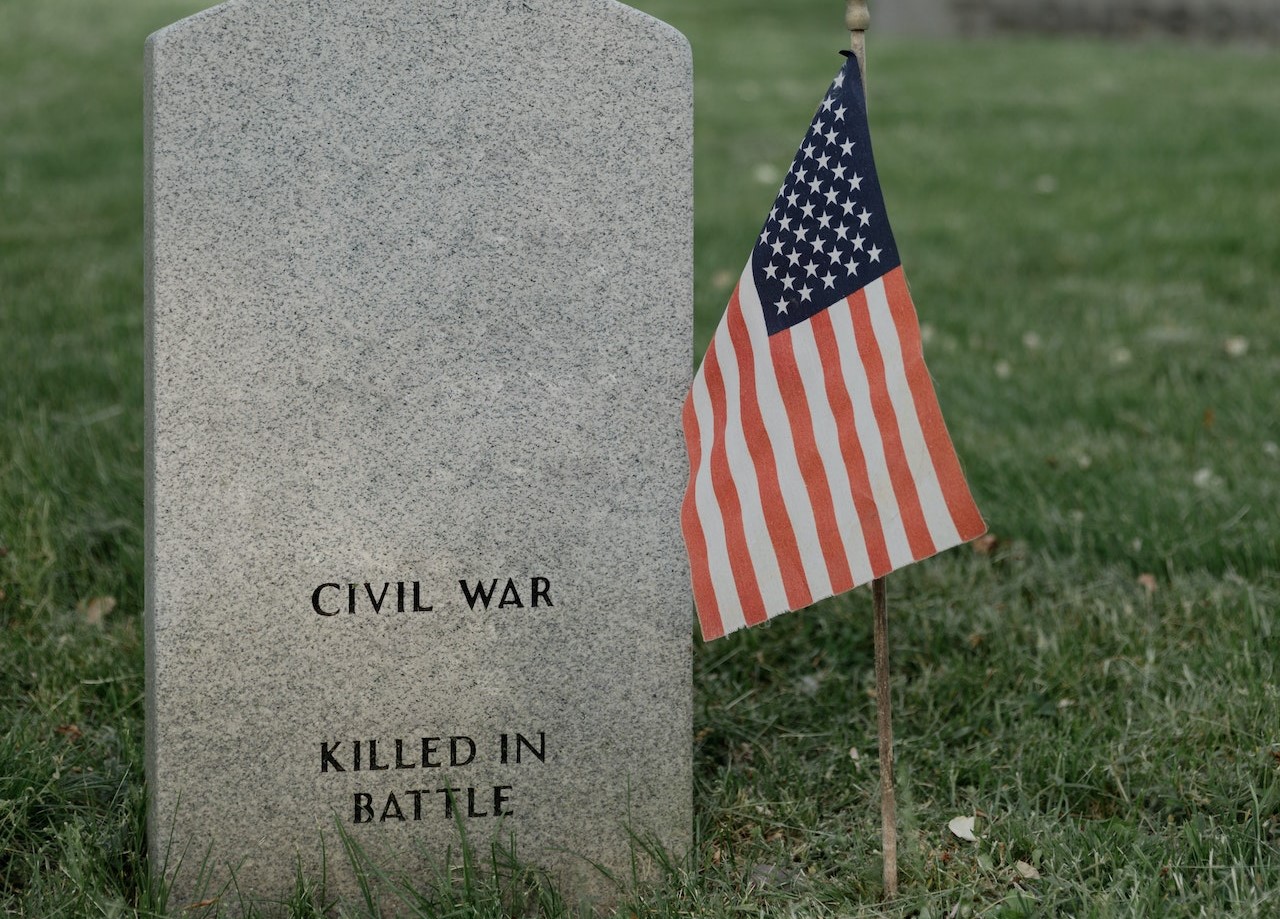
column 1027, row 870
column 69, row 731
column 1206, row 478
column 96, row 609
column 962, row 828
column 1148, row 583
column 986, row 544
column 1236, row 346
column 771, row 876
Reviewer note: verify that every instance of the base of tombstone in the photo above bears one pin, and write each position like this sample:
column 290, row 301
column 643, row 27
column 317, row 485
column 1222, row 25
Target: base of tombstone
column 486, row 870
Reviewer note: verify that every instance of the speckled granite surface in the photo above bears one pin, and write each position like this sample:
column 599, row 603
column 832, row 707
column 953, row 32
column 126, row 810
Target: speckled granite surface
column 419, row 280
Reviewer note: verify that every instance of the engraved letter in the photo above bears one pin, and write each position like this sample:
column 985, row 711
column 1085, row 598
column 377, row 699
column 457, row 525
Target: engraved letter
column 541, row 588
column 501, row 797
column 326, row 757
column 364, row 808
column 392, row 809
column 453, row 751
column 540, row 752
column 479, row 594
column 315, row 600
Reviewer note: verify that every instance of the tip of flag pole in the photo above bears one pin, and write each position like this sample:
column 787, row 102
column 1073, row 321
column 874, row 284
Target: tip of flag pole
column 857, row 18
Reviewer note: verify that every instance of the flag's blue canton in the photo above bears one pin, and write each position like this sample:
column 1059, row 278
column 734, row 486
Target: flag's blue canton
column 827, row 235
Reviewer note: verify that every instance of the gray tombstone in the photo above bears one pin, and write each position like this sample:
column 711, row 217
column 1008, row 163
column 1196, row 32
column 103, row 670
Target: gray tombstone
column 419, row 291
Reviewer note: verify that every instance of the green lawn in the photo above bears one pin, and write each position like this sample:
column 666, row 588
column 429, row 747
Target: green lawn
column 1092, row 232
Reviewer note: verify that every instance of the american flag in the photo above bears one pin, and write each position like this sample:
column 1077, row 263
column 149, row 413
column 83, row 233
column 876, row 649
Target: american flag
column 819, row 458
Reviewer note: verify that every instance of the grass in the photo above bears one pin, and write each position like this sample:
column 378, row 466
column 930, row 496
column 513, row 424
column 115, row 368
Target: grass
column 1091, row 234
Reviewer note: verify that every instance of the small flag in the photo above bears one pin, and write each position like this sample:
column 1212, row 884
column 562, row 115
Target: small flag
column 818, row 455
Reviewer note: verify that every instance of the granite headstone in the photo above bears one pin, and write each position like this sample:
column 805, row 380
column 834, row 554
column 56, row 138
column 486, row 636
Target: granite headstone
column 419, row 284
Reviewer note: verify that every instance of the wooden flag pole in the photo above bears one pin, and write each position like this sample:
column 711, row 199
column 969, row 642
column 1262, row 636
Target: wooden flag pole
column 888, row 802
column 857, row 20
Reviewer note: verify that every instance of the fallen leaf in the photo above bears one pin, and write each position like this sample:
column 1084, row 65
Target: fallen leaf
column 766, row 174
column 722, row 279
column 1208, row 419
column 962, row 828
column 986, row 544
column 1236, row 346
column 69, row 731
column 1205, row 478
column 2, row 593
column 1031, row 341
column 1027, row 870
column 1004, row 370
column 97, row 608
column 1148, row 583
column 202, row 904
column 854, row 754
column 771, row 876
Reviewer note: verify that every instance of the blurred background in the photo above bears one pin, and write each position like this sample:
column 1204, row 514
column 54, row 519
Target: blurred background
column 1203, row 20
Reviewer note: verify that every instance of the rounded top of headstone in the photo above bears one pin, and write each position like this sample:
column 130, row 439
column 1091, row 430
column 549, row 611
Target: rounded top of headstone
column 435, row 20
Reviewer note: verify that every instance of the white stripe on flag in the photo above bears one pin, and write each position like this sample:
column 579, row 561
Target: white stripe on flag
column 743, row 472
column 709, row 515
column 827, row 437
column 794, row 494
column 864, row 418
column 936, row 514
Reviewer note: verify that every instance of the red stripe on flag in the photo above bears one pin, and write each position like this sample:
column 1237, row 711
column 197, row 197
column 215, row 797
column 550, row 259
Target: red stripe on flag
column 850, row 446
column 781, row 533
column 812, row 471
column 964, row 513
column 699, row 568
column 904, row 486
column 744, row 571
